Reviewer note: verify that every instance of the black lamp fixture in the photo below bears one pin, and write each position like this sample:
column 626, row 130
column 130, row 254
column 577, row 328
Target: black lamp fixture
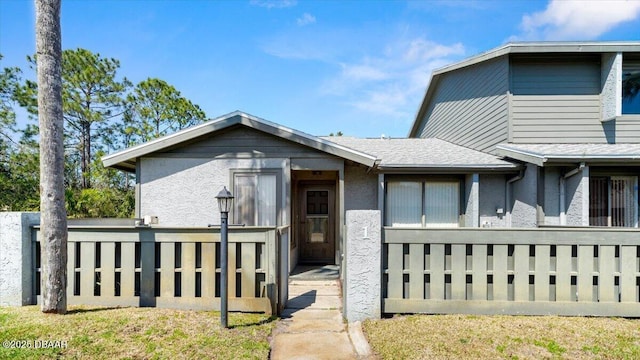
column 225, row 200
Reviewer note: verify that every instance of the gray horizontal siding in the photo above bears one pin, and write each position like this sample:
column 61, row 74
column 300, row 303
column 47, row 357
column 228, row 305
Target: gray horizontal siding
column 469, row 106
column 244, row 143
column 627, row 129
column 556, row 102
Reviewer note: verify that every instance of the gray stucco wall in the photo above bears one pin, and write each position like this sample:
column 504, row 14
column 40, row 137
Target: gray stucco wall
column 471, row 209
column 524, row 198
column 577, row 198
column 552, row 195
column 16, row 259
column 363, row 267
column 611, row 80
column 492, row 197
column 360, row 189
column 181, row 191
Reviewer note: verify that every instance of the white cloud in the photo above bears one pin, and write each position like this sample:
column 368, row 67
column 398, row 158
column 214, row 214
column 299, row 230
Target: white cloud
column 422, row 50
column 577, row 19
column 274, row 4
column 383, row 78
column 363, row 72
column 306, row 19
column 393, row 83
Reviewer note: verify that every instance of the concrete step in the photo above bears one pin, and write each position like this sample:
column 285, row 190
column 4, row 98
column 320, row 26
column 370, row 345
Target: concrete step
column 297, row 290
column 312, row 314
column 312, row 301
column 310, row 326
column 314, row 283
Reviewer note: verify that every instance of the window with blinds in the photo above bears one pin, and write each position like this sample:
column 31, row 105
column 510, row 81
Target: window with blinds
column 613, row 201
column 255, row 199
column 422, row 203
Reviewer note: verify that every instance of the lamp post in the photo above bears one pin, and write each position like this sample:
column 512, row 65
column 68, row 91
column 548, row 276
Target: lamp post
column 225, row 200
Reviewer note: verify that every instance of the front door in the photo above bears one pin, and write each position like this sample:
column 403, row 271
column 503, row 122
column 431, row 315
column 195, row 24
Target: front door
column 317, row 225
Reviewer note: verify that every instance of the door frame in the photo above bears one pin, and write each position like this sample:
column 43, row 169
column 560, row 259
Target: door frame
column 300, row 216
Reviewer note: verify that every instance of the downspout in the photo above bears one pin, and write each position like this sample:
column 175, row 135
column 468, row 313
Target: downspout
column 508, row 194
column 375, row 165
column 563, row 190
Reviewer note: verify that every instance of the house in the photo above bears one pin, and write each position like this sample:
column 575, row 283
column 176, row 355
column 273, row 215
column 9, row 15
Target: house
column 566, row 111
column 280, row 176
column 516, row 192
column 523, row 136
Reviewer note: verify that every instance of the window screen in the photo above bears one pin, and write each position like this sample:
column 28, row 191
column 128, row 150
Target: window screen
column 409, row 202
column 255, row 199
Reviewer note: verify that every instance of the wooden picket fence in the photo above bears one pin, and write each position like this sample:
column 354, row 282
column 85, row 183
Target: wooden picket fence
column 169, row 267
column 564, row 271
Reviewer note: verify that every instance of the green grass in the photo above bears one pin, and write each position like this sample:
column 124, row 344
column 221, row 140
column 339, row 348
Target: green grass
column 503, row 337
column 133, row 333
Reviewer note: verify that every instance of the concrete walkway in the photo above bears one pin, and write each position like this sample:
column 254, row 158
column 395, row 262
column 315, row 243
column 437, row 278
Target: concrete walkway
column 312, row 325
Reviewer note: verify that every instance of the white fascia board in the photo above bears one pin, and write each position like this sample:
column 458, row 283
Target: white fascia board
column 522, row 155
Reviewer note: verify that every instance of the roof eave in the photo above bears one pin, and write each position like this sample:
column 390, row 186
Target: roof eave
column 453, row 168
column 517, row 154
column 544, row 159
column 126, row 159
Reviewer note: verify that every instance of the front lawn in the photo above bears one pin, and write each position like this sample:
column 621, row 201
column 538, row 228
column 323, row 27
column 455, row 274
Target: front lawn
column 131, row 333
column 503, row 337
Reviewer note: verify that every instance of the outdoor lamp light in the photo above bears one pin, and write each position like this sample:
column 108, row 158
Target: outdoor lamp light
column 225, row 199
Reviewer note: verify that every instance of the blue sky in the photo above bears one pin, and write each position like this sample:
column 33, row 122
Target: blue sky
column 360, row 67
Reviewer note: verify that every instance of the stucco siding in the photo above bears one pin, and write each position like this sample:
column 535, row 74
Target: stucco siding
column 611, row 84
column 360, row 189
column 181, row 191
column 556, row 102
column 552, row 196
column 492, row 198
column 577, row 196
column 469, row 106
column 523, row 210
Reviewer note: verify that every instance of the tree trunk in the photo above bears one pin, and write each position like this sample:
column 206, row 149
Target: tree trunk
column 53, row 218
column 85, row 167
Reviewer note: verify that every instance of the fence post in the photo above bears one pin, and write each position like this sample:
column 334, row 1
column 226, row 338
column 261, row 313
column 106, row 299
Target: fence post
column 16, row 258
column 363, row 269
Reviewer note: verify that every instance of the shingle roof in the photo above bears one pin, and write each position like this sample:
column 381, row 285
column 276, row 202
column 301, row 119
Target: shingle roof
column 540, row 154
column 413, row 154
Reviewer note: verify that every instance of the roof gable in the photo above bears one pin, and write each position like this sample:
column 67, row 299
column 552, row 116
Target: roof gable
column 126, row 159
column 517, row 48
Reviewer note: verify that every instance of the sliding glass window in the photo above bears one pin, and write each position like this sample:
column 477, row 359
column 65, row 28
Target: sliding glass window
column 422, row 203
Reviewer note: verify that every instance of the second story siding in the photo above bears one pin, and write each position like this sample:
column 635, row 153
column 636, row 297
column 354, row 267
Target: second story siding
column 469, row 106
column 556, row 100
